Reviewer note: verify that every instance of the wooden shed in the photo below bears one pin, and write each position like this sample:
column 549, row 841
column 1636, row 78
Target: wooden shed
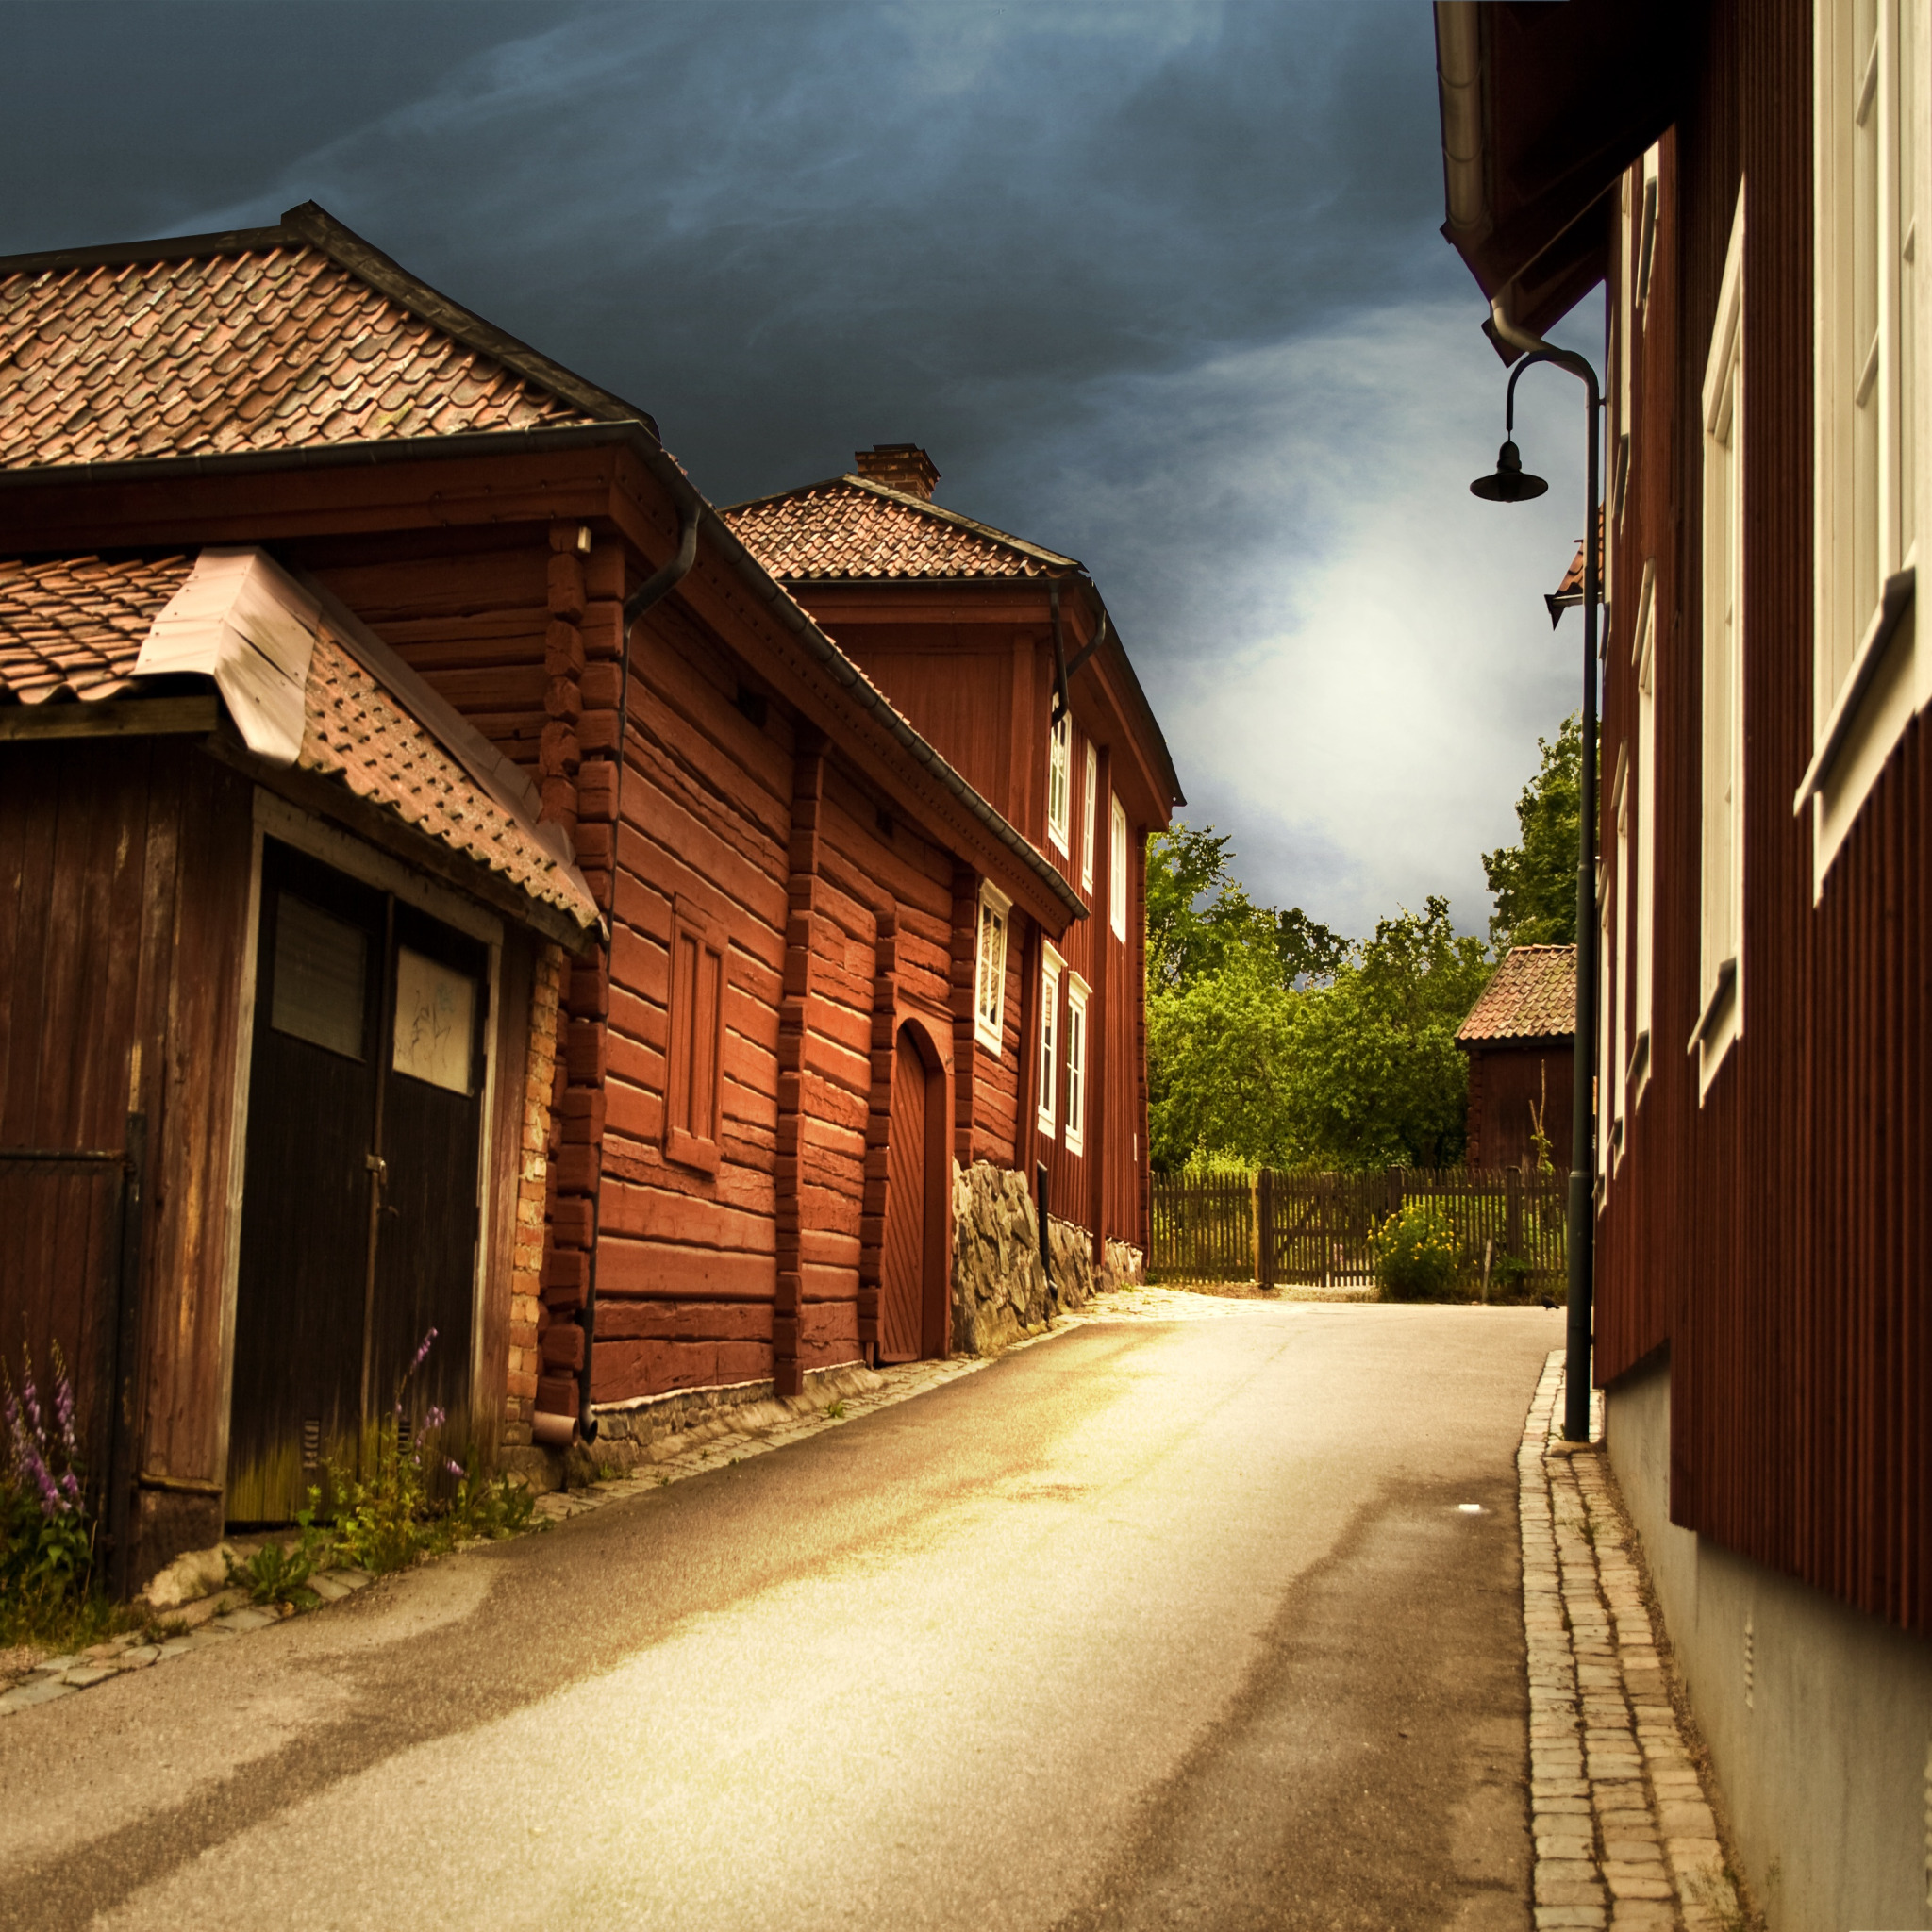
column 1520, row 1042
column 273, row 916
column 738, row 1093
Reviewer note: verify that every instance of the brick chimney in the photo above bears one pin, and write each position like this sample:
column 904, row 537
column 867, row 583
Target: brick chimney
column 898, row 466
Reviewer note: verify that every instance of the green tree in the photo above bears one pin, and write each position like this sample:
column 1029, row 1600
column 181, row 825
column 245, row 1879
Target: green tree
column 1374, row 1076
column 1218, row 1057
column 1199, row 916
column 1535, row 880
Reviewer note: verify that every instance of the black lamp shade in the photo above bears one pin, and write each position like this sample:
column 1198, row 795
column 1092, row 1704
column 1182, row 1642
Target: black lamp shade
column 1511, row 482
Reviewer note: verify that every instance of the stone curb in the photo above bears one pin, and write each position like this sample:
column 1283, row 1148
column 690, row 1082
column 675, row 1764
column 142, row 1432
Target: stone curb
column 1625, row 1837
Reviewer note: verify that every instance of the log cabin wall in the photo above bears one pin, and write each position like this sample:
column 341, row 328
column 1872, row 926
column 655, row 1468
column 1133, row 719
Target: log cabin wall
column 1772, row 1239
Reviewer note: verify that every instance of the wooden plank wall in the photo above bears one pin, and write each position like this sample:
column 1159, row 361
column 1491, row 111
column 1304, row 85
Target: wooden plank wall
column 108, row 944
column 1772, row 1239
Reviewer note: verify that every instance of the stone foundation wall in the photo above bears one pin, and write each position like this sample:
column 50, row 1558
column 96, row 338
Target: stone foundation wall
column 999, row 1291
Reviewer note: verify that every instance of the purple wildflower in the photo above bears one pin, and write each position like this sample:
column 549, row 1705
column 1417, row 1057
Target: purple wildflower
column 29, row 1401
column 63, row 1410
column 417, row 1362
column 454, row 1467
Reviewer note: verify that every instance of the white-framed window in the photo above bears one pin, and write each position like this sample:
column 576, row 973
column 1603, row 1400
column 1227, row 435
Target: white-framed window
column 1059, row 757
column 1871, row 120
column 1646, row 229
column 1091, row 834
column 1051, row 967
column 1721, row 924
column 1117, row 870
column 1643, row 884
column 989, row 970
column 1617, row 1035
column 1078, row 992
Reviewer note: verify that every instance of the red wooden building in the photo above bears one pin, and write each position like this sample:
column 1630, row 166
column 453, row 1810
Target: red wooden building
column 1004, row 655
column 1520, row 1042
column 716, row 902
column 1750, row 182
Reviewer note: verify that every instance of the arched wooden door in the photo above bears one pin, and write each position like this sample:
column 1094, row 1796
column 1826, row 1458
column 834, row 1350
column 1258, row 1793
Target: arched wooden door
column 905, row 1264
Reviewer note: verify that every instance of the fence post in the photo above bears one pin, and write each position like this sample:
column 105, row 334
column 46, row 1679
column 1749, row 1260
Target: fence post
column 1512, row 1209
column 1264, row 1231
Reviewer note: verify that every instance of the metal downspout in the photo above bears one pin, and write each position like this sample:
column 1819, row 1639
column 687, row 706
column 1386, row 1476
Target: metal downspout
column 660, row 584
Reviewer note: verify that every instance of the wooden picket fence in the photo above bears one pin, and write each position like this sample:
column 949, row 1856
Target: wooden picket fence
column 1313, row 1229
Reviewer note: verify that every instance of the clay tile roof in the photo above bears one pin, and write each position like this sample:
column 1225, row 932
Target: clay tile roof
column 1570, row 589
column 359, row 733
column 257, row 350
column 850, row 526
column 263, row 339
column 77, row 625
column 1531, row 995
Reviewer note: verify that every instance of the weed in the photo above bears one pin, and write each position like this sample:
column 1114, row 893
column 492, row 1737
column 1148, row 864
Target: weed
column 1716, row 1890
column 279, row 1574
column 835, row 1411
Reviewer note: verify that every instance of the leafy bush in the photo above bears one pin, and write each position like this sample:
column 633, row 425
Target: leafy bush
column 47, row 1534
column 1416, row 1253
column 278, row 1575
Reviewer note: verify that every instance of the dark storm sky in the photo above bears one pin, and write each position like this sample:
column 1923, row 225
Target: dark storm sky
column 1158, row 285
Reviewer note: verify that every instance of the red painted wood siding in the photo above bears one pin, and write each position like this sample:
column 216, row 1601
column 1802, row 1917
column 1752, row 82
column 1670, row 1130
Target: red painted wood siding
column 1772, row 1239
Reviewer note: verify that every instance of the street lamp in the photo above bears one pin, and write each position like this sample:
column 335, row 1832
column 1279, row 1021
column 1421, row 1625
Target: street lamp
column 1511, row 483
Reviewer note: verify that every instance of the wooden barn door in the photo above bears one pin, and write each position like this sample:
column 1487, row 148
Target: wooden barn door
column 904, row 1263
column 359, row 1210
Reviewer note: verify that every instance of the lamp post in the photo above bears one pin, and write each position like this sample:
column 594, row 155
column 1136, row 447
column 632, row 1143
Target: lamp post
column 1510, row 483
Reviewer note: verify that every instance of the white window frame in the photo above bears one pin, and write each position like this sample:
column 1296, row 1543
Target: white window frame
column 1646, row 229
column 1092, row 832
column 994, row 924
column 1051, row 968
column 1721, row 857
column 1618, row 1036
column 1643, row 895
column 1872, row 118
column 1117, row 868
column 1078, row 997
column 1059, row 782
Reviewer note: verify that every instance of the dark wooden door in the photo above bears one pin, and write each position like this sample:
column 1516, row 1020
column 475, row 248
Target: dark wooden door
column 425, row 1252
column 359, row 1210
column 902, row 1264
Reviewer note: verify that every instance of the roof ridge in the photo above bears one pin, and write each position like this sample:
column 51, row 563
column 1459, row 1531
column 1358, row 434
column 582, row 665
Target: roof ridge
column 924, row 505
column 310, row 225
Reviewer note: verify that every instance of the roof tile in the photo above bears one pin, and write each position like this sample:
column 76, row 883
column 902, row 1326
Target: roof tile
column 852, row 528
column 272, row 349
column 1531, row 995
column 77, row 625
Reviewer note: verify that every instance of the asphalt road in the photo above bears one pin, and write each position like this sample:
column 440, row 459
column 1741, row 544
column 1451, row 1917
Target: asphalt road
column 1145, row 1626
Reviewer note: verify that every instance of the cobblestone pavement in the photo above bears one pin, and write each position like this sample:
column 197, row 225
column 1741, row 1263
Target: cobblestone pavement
column 1625, row 1837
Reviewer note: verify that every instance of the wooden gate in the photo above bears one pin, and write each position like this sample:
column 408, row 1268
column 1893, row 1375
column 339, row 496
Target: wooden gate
column 359, row 1207
column 1316, row 1230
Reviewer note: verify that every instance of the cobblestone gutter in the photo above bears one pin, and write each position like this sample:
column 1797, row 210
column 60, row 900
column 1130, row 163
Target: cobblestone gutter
column 1625, row 1836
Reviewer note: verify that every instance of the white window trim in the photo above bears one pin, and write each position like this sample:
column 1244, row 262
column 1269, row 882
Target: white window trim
column 1617, row 1058
column 1647, row 233
column 1721, row 954
column 1078, row 995
column 1118, row 840
column 1635, row 1073
column 1861, row 711
column 1093, row 836
column 1059, row 782
column 988, row 1028
column 1051, row 968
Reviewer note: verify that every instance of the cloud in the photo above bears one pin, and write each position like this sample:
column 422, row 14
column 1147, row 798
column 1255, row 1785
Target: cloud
column 1156, row 281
